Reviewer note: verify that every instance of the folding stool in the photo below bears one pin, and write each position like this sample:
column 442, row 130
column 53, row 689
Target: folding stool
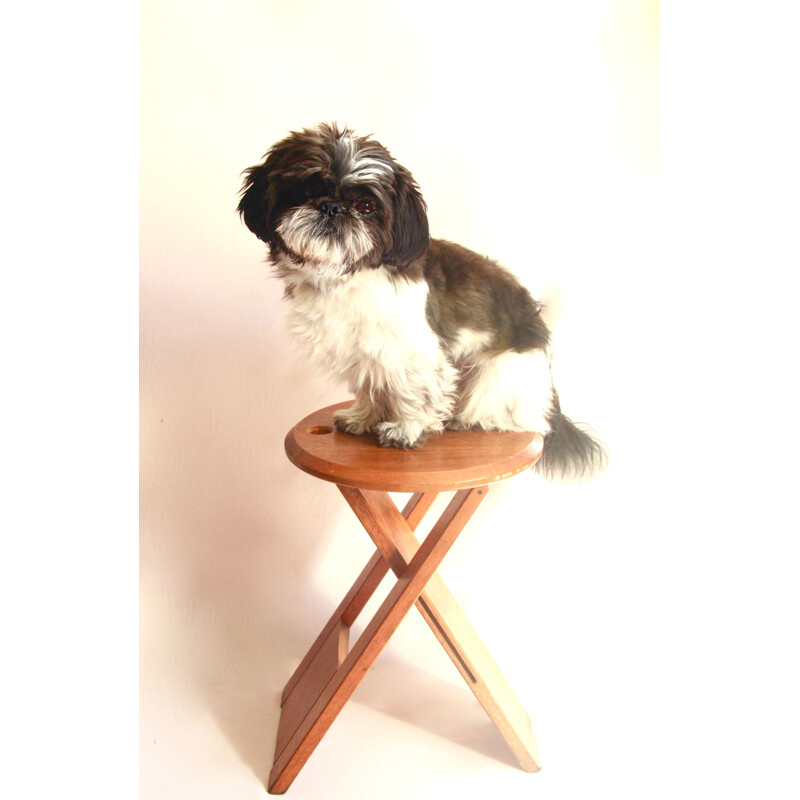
column 462, row 461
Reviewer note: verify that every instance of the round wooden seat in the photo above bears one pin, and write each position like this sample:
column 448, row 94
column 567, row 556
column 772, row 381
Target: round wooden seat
column 453, row 460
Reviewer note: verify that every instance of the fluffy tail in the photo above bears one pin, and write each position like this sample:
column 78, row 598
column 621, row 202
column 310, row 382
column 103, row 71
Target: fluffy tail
column 570, row 453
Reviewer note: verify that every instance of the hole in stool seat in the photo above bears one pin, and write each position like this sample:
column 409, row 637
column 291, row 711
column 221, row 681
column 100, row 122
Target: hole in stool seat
column 318, row 429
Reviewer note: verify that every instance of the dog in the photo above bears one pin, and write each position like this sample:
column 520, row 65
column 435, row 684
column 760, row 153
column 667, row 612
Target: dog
column 427, row 334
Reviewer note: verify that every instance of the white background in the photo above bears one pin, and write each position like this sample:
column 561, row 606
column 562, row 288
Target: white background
column 647, row 621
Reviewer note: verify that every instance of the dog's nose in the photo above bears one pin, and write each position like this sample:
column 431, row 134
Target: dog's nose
column 330, row 208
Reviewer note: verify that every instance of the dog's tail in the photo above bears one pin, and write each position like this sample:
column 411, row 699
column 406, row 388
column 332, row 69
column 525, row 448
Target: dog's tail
column 571, row 453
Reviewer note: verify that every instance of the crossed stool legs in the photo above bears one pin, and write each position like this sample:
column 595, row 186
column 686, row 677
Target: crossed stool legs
column 329, row 674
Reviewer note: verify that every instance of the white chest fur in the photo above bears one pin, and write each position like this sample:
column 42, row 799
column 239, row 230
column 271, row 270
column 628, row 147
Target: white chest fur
column 369, row 329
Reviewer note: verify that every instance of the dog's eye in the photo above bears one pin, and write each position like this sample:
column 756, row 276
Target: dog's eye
column 364, row 207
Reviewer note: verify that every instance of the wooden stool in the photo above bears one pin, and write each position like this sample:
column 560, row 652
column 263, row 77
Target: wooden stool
column 328, row 675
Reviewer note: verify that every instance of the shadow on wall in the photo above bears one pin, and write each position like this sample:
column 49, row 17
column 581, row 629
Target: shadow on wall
column 231, row 533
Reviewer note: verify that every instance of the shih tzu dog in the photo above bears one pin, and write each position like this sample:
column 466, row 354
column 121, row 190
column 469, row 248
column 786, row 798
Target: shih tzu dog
column 427, row 334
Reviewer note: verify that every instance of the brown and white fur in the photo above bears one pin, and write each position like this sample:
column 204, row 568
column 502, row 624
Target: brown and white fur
column 427, row 334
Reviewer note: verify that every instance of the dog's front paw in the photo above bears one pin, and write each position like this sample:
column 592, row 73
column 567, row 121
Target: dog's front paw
column 350, row 423
column 456, row 424
column 401, row 435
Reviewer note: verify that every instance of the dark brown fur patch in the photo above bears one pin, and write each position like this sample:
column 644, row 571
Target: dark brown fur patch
column 468, row 290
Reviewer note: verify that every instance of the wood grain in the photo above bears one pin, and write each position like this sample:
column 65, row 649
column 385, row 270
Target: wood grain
column 452, row 460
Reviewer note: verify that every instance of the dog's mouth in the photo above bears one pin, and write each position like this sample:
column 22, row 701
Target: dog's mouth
column 320, row 239
column 335, row 227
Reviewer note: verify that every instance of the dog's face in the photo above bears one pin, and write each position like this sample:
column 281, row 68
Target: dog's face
column 329, row 203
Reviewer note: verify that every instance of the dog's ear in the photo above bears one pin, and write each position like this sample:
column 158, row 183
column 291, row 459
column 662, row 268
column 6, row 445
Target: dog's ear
column 410, row 224
column 256, row 201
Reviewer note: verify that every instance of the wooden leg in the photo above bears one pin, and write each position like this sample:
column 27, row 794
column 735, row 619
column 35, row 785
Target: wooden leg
column 330, row 676
column 397, row 543
column 303, row 687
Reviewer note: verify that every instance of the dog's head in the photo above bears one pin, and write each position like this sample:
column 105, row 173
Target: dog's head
column 329, row 202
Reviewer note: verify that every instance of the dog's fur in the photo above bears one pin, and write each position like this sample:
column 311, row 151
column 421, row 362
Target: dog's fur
column 427, row 334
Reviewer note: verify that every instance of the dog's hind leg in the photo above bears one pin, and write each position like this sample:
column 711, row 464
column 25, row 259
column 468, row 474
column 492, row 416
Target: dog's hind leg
column 506, row 391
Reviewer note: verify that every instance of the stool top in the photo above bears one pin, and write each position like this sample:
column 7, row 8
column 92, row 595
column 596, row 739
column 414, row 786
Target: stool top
column 453, row 460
